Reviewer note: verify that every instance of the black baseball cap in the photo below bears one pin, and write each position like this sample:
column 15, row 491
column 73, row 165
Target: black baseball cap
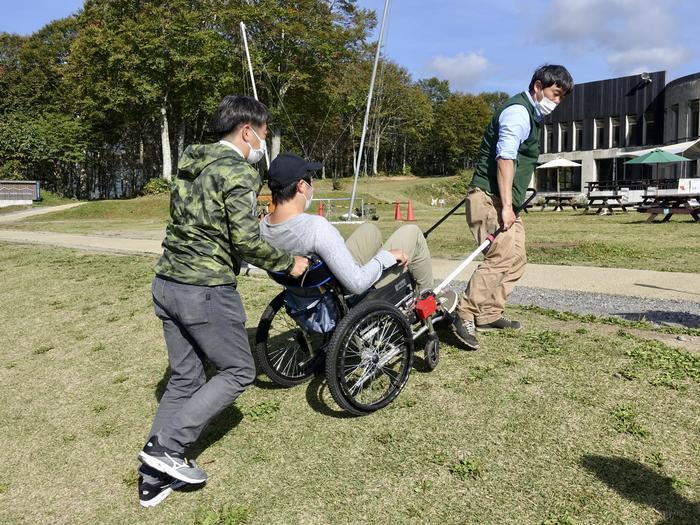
column 288, row 168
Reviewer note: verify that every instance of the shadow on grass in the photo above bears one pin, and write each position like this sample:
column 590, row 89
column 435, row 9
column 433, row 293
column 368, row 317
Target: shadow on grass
column 218, row 428
column 447, row 337
column 315, row 394
column 661, row 317
column 641, row 484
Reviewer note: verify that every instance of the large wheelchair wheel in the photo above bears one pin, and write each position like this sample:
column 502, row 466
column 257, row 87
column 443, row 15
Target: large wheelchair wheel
column 369, row 357
column 287, row 354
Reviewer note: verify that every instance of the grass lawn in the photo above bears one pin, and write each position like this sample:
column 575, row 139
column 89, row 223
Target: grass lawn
column 570, row 238
column 562, row 423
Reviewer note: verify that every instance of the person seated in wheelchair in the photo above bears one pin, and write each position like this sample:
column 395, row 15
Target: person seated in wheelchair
column 362, row 261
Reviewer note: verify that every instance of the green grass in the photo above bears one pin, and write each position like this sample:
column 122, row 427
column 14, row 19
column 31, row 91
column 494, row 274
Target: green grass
column 49, row 198
column 568, row 238
column 538, row 426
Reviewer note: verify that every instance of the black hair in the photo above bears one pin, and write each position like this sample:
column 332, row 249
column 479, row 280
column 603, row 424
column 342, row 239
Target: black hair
column 286, row 193
column 549, row 75
column 234, row 111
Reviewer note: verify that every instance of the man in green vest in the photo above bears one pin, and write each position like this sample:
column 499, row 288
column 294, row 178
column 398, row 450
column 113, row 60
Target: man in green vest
column 507, row 158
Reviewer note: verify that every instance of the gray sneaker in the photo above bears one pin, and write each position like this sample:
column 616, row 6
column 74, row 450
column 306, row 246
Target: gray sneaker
column 464, row 331
column 172, row 463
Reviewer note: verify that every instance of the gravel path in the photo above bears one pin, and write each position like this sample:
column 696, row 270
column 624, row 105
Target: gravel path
column 662, row 312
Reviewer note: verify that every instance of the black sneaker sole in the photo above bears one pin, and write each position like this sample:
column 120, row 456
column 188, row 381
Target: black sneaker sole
column 494, row 329
column 156, row 500
column 468, row 345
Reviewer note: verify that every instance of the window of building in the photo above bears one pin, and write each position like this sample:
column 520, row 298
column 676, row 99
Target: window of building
column 599, row 135
column 578, row 136
column 548, row 139
column 648, row 138
column 614, row 132
column 631, row 138
column 674, row 122
column 694, row 119
column 563, row 137
column 570, row 179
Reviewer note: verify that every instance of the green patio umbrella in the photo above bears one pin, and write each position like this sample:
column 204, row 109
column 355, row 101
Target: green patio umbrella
column 656, row 157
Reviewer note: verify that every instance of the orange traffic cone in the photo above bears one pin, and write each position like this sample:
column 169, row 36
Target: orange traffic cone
column 409, row 212
column 320, row 209
column 397, row 211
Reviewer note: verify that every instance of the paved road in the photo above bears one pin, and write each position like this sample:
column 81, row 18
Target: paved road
column 19, row 215
column 610, row 281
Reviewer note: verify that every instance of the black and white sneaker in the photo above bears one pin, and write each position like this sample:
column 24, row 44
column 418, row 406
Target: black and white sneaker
column 499, row 324
column 464, row 331
column 171, row 463
column 151, row 494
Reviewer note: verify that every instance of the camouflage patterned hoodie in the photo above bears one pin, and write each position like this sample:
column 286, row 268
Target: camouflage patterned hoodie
column 213, row 224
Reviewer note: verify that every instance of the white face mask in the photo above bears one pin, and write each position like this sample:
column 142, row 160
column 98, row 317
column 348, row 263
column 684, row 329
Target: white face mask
column 545, row 106
column 256, row 154
column 308, row 200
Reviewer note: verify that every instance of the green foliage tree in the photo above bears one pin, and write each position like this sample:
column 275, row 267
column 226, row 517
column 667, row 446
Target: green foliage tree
column 460, row 123
column 98, row 103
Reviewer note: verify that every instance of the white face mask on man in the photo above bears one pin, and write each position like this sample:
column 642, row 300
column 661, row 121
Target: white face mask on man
column 307, row 203
column 256, row 154
column 545, row 106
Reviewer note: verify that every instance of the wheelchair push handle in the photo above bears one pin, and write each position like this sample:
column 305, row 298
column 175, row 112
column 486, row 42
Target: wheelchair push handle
column 484, row 247
column 460, row 203
column 517, row 210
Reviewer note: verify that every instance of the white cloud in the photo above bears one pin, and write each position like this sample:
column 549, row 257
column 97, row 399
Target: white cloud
column 634, row 35
column 637, row 60
column 462, row 70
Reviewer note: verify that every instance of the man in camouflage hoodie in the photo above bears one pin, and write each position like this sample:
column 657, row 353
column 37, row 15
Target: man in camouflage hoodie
column 213, row 228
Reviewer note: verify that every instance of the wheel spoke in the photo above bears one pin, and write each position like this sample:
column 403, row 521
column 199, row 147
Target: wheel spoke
column 373, row 358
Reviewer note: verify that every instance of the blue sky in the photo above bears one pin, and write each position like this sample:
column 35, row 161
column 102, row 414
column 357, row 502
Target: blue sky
column 482, row 46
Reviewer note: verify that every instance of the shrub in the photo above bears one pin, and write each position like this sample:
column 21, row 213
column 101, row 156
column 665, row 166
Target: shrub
column 156, row 186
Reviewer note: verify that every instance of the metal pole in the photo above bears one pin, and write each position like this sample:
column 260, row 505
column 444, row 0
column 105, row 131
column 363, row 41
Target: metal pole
column 369, row 103
column 252, row 78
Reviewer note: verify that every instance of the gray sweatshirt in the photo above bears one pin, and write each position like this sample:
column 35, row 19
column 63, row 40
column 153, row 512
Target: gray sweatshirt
column 306, row 234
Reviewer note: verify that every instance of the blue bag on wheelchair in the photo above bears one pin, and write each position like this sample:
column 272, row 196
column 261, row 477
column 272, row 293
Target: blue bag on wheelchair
column 314, row 313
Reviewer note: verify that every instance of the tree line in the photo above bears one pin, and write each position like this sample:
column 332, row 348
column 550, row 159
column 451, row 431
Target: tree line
column 98, row 103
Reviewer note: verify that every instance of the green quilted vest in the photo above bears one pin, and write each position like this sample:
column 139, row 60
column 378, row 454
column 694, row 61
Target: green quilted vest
column 486, row 168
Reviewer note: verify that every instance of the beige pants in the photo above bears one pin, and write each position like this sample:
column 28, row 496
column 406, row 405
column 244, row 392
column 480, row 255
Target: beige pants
column 366, row 241
column 504, row 264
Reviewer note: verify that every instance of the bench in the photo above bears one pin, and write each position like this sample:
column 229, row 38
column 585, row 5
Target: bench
column 559, row 201
column 670, row 205
column 609, row 201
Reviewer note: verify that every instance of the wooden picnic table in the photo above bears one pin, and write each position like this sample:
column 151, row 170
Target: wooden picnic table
column 559, row 200
column 608, row 201
column 669, row 205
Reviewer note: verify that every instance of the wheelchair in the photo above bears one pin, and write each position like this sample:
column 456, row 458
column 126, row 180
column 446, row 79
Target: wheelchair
column 365, row 343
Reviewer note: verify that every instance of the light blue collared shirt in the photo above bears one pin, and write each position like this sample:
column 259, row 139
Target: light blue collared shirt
column 513, row 129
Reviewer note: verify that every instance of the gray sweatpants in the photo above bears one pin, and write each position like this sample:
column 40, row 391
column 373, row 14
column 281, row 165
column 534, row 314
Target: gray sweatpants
column 199, row 322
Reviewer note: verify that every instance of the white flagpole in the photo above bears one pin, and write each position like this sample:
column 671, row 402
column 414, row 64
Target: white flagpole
column 252, row 78
column 358, row 161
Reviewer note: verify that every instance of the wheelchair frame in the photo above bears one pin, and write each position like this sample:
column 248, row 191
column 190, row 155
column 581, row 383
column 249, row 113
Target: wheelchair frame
column 368, row 357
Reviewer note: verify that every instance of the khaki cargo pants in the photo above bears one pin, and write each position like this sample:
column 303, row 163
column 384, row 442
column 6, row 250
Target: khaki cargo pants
column 484, row 299
column 366, row 241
